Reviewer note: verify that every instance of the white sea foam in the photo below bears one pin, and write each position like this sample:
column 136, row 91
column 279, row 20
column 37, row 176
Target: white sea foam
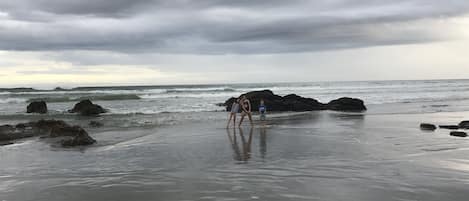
column 12, row 100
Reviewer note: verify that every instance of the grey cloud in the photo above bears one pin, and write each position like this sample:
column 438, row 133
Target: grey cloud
column 60, row 71
column 219, row 27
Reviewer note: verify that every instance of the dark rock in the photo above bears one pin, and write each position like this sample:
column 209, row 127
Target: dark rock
column 228, row 103
column 293, row 102
column 464, row 125
column 47, row 129
column 6, row 128
column 60, row 89
column 9, row 132
column 458, row 134
column 63, row 131
column 87, row 108
column 46, row 126
column 298, row 103
column 274, row 102
column 95, row 124
column 4, row 143
column 92, row 111
column 37, row 107
column 347, row 104
column 5, row 132
column 81, row 106
column 80, row 139
column 220, row 104
column 24, row 126
column 451, row 127
column 427, row 127
column 20, row 126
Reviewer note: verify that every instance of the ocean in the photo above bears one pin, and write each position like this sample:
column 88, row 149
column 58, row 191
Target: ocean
column 433, row 94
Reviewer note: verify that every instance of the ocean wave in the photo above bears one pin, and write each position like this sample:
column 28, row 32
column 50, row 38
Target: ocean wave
column 220, row 95
column 200, row 90
column 12, row 100
column 51, row 99
column 93, row 98
column 113, row 97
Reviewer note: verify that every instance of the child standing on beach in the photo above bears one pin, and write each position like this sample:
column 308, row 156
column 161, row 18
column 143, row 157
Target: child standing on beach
column 234, row 110
column 246, row 110
column 262, row 110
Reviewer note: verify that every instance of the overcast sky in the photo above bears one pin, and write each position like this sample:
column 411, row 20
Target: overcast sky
column 135, row 42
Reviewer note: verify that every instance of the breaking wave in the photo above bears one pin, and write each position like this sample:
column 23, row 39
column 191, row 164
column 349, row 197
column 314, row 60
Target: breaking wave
column 93, row 98
column 200, row 90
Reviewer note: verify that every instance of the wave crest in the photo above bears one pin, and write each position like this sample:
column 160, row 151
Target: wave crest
column 93, row 98
column 200, row 90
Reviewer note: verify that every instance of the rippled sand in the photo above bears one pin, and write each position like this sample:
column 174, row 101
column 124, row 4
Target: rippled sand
column 309, row 156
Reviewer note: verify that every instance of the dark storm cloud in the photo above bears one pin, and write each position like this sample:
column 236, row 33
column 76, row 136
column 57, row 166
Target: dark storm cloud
column 219, row 27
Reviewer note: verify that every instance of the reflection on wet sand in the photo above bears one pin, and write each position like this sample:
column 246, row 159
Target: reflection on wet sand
column 245, row 153
column 263, row 142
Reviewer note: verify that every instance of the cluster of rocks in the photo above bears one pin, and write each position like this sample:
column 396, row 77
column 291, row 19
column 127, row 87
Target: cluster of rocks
column 69, row 136
column 297, row 103
column 456, row 128
column 84, row 107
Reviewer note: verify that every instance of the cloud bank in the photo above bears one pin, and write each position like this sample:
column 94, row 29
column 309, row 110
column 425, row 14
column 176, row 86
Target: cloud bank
column 221, row 27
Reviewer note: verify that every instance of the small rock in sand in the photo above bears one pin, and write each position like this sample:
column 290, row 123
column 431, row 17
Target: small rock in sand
column 458, row 134
column 427, row 127
column 451, row 127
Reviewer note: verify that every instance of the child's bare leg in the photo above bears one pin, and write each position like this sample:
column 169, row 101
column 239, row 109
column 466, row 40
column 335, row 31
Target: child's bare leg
column 234, row 120
column 231, row 116
column 250, row 118
column 241, row 120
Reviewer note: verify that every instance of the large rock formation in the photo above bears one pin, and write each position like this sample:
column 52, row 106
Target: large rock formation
column 296, row 103
column 274, row 102
column 87, row 108
column 37, row 107
column 71, row 135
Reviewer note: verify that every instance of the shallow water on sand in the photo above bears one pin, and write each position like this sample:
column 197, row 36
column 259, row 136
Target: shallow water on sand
column 309, row 156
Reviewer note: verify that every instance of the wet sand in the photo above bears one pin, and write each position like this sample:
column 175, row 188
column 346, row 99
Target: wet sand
column 308, row 156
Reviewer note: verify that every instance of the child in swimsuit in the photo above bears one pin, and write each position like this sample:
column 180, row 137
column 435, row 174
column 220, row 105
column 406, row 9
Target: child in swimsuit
column 234, row 110
column 246, row 110
column 262, row 110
